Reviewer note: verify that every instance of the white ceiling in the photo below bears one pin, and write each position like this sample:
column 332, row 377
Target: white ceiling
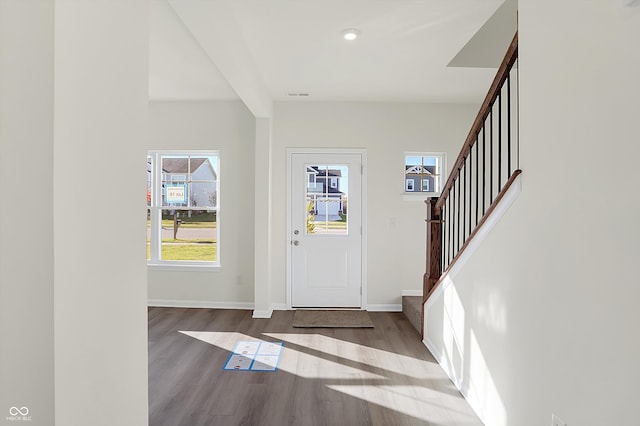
column 266, row 50
column 178, row 67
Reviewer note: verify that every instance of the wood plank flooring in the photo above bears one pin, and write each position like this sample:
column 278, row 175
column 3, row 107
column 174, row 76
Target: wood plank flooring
column 375, row 376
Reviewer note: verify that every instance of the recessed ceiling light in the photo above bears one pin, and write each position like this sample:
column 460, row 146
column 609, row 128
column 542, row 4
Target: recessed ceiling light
column 350, row 34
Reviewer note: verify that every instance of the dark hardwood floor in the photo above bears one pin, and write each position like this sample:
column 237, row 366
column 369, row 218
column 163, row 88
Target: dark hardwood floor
column 375, row 376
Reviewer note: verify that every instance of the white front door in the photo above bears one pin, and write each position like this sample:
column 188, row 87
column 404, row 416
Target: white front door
column 326, row 230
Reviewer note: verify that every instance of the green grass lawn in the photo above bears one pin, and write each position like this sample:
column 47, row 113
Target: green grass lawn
column 195, row 249
column 188, row 250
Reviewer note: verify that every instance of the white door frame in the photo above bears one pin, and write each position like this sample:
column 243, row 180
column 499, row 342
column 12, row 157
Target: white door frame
column 289, row 237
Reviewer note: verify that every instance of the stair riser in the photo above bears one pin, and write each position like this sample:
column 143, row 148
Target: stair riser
column 412, row 310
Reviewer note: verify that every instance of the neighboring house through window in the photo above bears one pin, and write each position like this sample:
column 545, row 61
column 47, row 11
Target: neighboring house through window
column 183, row 208
column 424, row 172
column 323, row 192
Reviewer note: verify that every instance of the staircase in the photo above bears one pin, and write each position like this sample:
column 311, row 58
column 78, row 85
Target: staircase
column 412, row 309
column 486, row 168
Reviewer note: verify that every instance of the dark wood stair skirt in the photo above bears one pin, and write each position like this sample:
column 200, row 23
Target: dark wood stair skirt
column 412, row 309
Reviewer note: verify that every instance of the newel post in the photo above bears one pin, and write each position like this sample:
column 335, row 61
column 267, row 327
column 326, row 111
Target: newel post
column 434, row 248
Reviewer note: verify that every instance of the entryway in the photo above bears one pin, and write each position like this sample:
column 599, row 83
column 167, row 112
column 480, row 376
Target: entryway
column 325, row 229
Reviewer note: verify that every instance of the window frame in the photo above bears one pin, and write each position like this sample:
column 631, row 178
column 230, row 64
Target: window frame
column 155, row 208
column 441, row 166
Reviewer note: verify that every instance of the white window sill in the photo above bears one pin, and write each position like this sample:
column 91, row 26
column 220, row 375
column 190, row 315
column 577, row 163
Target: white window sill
column 419, row 196
column 182, row 267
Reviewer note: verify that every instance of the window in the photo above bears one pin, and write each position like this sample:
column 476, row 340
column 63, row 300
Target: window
column 183, row 208
column 423, row 172
column 326, row 205
column 409, row 185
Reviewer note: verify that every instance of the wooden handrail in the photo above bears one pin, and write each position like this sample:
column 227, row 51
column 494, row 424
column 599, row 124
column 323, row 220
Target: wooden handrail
column 452, row 225
column 485, row 109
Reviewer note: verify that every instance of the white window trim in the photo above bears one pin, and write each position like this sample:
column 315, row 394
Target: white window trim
column 182, row 265
column 419, row 195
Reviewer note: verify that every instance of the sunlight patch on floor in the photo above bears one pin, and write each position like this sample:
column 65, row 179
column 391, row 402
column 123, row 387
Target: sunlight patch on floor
column 409, row 400
column 428, row 394
column 363, row 354
column 291, row 360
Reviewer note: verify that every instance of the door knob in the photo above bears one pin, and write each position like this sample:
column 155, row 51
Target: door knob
column 296, row 242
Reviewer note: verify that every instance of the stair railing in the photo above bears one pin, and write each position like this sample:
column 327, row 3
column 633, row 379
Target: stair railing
column 485, row 169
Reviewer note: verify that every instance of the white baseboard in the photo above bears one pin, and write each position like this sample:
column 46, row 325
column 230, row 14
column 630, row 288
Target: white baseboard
column 167, row 303
column 384, row 308
column 463, row 387
column 263, row 314
column 412, row 292
column 446, row 366
column 279, row 307
column 269, row 312
column 446, row 281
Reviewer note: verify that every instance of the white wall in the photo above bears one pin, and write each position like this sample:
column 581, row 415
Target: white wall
column 263, row 212
column 395, row 240
column 229, row 127
column 26, row 229
column 543, row 318
column 100, row 131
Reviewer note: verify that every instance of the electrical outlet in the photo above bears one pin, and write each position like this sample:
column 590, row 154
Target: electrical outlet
column 557, row 421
